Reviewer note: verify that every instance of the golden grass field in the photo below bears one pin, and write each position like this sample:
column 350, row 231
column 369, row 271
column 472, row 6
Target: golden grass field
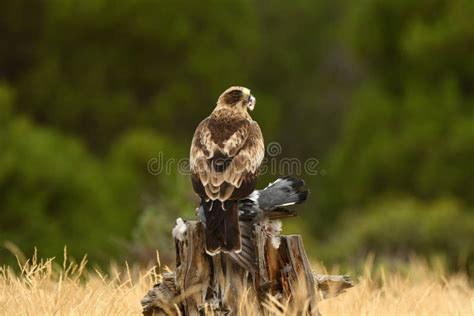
column 61, row 287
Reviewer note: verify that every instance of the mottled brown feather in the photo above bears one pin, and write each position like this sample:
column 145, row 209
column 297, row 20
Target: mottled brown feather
column 234, row 143
column 226, row 153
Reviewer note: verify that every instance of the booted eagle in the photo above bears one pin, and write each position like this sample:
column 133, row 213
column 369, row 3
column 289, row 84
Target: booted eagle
column 226, row 152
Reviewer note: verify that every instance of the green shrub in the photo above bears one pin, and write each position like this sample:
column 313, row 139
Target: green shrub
column 397, row 228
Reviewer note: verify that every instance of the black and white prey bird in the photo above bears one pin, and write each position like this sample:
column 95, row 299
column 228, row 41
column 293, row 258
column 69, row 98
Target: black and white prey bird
column 266, row 207
column 270, row 202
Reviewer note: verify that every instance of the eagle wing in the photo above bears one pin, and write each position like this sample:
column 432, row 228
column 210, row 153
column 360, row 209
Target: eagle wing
column 201, row 147
column 248, row 159
column 222, row 159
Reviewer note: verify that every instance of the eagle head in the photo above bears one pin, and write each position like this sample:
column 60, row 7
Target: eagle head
column 238, row 98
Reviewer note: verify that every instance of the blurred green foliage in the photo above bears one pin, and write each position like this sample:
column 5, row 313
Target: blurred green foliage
column 380, row 91
column 401, row 227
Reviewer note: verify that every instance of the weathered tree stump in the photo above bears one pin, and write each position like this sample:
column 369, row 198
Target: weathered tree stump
column 271, row 272
column 266, row 266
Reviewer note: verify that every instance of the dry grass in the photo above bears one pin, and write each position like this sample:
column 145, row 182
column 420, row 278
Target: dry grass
column 45, row 287
column 419, row 290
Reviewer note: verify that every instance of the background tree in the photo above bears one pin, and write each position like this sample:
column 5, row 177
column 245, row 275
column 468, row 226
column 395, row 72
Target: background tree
column 379, row 91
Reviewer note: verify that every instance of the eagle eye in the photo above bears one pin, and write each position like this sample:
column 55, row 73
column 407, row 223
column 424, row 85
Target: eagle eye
column 236, row 93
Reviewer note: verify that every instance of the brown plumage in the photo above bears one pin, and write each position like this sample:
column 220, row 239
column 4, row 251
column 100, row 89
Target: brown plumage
column 226, row 153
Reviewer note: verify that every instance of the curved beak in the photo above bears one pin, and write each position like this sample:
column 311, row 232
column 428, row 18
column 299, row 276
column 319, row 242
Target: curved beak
column 251, row 102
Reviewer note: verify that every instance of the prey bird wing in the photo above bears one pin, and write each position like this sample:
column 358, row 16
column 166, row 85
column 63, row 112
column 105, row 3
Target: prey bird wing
column 264, row 207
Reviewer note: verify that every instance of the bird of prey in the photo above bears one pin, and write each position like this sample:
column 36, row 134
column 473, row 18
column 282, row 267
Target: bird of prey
column 226, row 153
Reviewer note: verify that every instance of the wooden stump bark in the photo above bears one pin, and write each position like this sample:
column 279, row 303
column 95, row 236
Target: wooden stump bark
column 205, row 283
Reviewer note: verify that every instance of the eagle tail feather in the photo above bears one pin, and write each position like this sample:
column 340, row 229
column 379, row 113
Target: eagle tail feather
column 232, row 227
column 222, row 226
